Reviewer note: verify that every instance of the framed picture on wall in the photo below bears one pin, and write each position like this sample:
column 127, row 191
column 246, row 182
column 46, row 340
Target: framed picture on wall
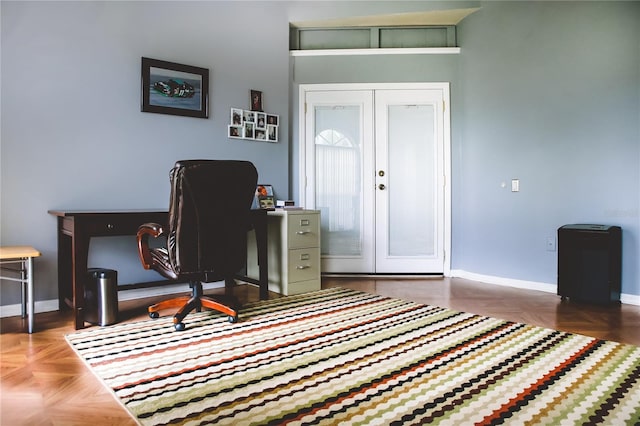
column 255, row 98
column 236, row 116
column 272, row 119
column 175, row 89
column 236, row 132
column 272, row 133
column 249, row 130
column 261, row 120
column 249, row 116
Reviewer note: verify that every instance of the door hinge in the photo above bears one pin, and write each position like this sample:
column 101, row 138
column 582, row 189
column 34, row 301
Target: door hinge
column 305, row 108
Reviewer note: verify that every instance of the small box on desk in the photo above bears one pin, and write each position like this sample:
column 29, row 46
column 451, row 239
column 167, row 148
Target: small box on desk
column 287, row 205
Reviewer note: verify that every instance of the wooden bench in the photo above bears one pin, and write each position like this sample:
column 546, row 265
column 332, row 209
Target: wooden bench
column 19, row 259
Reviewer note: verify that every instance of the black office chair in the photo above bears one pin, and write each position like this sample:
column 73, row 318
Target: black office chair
column 206, row 237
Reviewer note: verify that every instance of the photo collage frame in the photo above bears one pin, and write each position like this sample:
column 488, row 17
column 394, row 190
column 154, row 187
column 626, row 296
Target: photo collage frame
column 254, row 125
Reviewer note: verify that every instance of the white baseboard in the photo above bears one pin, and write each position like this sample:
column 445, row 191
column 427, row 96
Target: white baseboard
column 40, row 306
column 138, row 293
column 630, row 299
column 507, row 282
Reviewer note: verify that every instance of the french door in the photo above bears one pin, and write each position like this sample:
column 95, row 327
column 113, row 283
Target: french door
column 374, row 163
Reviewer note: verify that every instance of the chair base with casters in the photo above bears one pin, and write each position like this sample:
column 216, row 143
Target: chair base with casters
column 160, row 257
column 196, row 302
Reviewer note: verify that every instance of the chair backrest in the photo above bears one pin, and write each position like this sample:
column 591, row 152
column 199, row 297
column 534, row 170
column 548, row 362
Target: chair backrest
column 209, row 217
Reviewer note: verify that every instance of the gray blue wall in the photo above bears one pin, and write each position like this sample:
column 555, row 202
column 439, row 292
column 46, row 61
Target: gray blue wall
column 550, row 94
column 73, row 135
column 546, row 92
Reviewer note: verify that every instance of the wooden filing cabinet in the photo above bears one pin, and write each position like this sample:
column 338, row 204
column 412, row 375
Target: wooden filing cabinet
column 294, row 251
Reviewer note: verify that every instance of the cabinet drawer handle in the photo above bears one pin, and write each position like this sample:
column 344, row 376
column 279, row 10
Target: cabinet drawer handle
column 110, row 226
column 303, row 267
column 303, row 232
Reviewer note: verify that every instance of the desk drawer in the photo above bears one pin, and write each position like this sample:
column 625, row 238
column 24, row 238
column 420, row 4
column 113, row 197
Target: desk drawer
column 304, row 264
column 303, row 230
column 114, row 224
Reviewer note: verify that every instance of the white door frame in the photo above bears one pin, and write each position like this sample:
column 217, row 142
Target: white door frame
column 444, row 86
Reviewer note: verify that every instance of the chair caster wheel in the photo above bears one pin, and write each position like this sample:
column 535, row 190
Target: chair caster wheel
column 233, row 318
column 154, row 315
column 179, row 326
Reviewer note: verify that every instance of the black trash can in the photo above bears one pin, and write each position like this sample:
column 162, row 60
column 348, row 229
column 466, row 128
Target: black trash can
column 101, row 296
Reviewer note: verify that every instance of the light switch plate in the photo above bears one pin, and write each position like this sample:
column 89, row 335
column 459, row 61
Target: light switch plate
column 515, row 185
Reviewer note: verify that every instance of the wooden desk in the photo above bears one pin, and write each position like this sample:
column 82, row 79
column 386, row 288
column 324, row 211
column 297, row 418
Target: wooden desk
column 77, row 227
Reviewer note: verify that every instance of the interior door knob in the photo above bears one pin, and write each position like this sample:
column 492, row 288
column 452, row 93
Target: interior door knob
column 382, row 187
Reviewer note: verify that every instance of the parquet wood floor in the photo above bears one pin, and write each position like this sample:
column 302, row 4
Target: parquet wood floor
column 43, row 382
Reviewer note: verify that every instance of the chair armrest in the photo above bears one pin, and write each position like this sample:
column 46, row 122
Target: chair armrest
column 144, row 231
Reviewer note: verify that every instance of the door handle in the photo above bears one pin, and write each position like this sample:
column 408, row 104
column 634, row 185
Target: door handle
column 381, row 187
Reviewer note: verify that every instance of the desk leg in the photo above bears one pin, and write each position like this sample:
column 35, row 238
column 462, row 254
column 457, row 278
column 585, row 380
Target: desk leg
column 80, row 256
column 64, row 268
column 263, row 260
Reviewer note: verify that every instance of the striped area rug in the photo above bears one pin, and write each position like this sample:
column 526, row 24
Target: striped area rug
column 339, row 356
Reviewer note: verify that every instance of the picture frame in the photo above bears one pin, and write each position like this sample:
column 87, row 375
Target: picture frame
column 264, row 197
column 174, row 89
column 255, row 100
column 235, row 132
column 261, row 120
column 273, row 119
column 236, row 116
column 272, row 133
column 249, row 130
column 248, row 116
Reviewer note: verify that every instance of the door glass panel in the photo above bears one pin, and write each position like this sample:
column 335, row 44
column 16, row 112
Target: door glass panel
column 412, row 180
column 338, row 191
